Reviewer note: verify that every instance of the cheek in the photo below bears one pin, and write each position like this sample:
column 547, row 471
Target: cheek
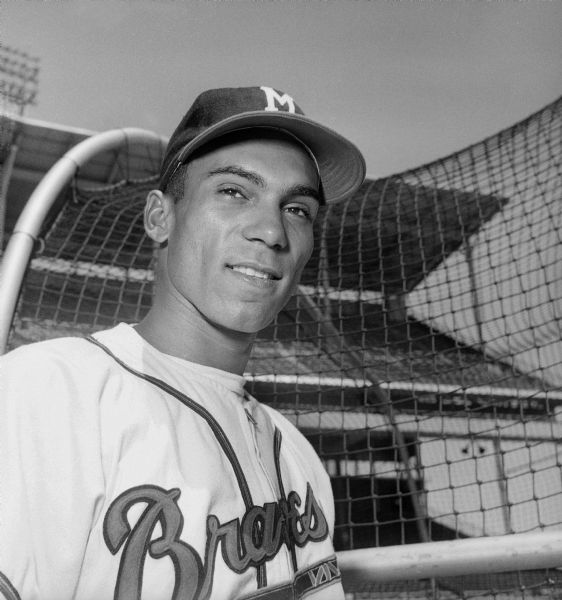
column 191, row 261
column 183, row 255
column 303, row 257
column 307, row 246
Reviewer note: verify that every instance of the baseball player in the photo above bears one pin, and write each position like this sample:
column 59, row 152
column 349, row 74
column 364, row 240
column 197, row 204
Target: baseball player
column 133, row 464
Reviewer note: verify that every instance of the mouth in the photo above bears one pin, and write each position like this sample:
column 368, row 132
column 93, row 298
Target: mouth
column 266, row 275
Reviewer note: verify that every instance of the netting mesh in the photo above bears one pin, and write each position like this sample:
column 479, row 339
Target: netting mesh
column 93, row 268
column 421, row 356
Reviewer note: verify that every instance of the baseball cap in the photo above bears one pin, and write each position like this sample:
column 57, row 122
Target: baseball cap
column 216, row 112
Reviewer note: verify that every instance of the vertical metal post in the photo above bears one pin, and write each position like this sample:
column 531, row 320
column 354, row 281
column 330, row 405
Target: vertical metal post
column 502, row 483
column 7, row 169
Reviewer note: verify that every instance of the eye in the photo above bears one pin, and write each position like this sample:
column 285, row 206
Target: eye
column 231, row 192
column 299, row 211
column 302, row 211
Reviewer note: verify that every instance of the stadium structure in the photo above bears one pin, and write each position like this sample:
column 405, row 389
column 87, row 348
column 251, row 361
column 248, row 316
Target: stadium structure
column 421, row 355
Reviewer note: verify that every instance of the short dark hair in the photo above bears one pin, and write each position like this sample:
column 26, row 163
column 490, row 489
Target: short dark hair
column 175, row 187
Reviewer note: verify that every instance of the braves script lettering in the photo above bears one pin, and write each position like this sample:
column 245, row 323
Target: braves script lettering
column 244, row 543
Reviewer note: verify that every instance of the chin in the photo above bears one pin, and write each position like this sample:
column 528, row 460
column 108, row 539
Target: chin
column 245, row 323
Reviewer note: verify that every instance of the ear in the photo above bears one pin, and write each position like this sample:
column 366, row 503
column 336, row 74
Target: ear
column 158, row 216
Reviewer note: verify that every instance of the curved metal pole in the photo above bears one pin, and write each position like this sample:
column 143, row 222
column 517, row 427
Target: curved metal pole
column 28, row 226
column 515, row 552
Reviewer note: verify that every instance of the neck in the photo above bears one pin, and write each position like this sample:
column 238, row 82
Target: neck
column 193, row 338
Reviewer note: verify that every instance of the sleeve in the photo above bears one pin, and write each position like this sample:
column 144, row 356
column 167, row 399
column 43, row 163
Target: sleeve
column 51, row 476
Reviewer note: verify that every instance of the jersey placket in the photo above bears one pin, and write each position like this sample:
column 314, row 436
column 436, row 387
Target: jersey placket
column 269, row 473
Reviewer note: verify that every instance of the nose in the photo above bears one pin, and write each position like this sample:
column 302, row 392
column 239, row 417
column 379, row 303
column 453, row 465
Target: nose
column 266, row 225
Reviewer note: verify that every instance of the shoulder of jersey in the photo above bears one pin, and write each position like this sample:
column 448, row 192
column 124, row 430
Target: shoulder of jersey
column 70, row 352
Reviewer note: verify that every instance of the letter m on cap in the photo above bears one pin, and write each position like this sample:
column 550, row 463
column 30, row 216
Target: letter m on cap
column 274, row 100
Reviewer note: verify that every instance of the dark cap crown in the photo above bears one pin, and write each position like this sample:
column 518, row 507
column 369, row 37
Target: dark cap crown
column 220, row 111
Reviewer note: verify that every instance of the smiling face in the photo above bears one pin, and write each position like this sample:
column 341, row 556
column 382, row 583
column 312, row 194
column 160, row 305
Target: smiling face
column 238, row 240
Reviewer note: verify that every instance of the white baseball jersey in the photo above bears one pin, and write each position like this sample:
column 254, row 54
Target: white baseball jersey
column 129, row 474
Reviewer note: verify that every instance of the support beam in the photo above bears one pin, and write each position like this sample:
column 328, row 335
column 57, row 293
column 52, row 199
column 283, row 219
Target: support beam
column 517, row 552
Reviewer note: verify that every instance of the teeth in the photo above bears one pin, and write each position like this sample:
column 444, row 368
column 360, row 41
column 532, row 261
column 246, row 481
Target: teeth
column 252, row 272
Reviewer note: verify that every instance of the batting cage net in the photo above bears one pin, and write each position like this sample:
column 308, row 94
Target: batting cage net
column 422, row 355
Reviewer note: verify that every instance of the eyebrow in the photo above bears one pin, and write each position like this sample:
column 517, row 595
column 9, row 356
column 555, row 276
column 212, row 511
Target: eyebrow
column 257, row 179
column 233, row 170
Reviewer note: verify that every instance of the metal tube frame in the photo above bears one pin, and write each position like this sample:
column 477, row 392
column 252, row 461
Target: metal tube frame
column 428, row 560
column 19, row 248
column 6, row 174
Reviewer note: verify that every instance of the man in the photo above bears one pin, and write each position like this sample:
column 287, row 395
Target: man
column 133, row 464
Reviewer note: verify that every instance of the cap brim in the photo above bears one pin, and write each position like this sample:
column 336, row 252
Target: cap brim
column 341, row 165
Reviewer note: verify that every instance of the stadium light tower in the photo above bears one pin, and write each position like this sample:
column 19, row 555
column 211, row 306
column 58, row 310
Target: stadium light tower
column 18, row 89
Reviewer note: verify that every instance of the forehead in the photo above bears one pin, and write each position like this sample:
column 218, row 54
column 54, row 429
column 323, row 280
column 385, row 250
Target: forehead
column 268, row 150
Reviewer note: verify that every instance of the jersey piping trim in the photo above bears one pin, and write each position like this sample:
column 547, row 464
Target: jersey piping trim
column 199, row 410
column 277, row 454
column 7, row 590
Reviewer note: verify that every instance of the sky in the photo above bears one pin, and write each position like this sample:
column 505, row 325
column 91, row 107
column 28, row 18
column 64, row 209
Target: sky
column 407, row 81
